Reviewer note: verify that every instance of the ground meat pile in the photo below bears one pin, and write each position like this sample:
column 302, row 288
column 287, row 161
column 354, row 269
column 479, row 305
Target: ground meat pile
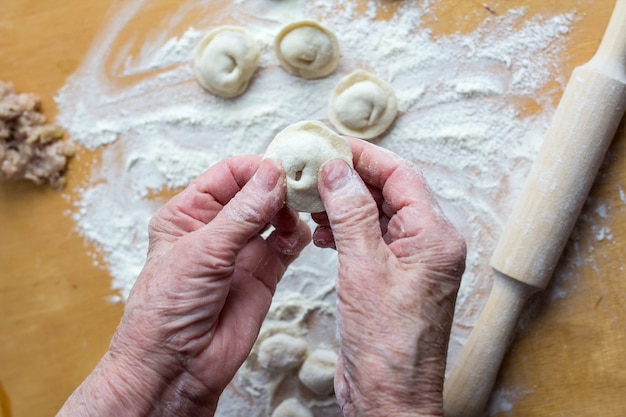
column 29, row 147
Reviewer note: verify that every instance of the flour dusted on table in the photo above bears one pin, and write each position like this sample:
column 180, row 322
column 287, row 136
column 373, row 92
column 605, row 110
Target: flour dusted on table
column 459, row 119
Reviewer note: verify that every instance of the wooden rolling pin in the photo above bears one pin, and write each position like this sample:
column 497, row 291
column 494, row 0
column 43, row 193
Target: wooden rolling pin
column 584, row 124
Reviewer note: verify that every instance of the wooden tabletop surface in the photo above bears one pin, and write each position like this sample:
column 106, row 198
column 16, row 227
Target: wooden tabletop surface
column 55, row 320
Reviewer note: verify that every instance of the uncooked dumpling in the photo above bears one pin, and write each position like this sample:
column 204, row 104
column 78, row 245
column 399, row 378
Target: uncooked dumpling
column 225, row 61
column 302, row 149
column 282, row 352
column 362, row 105
column 292, row 408
column 318, row 371
column 307, row 49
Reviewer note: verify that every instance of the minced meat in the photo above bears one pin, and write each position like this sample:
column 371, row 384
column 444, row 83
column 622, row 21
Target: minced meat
column 29, row 147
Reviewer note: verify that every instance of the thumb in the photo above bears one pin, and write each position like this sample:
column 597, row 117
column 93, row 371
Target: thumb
column 351, row 209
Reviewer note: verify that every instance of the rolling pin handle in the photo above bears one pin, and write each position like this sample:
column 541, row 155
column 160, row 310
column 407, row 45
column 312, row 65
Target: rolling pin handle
column 467, row 388
column 610, row 58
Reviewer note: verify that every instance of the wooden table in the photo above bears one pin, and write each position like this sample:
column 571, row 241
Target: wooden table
column 55, row 321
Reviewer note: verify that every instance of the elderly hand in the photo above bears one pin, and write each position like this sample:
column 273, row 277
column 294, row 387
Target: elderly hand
column 197, row 306
column 400, row 263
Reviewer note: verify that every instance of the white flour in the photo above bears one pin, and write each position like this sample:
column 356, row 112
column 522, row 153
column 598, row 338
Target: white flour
column 461, row 119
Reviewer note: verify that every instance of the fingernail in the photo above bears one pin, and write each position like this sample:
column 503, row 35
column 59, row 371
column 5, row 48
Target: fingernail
column 285, row 244
column 267, row 175
column 336, row 174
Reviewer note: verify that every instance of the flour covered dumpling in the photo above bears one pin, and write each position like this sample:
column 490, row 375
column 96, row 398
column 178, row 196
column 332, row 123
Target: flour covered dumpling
column 362, row 105
column 292, row 408
column 307, row 49
column 282, row 352
column 302, row 149
column 225, row 61
column 318, row 371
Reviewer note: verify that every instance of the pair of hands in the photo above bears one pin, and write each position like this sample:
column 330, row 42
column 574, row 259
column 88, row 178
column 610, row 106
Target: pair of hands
column 197, row 307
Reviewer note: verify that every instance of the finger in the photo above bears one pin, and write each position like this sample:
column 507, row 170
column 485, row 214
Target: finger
column 200, row 202
column 288, row 245
column 323, row 237
column 245, row 215
column 228, row 177
column 377, row 194
column 400, row 180
column 323, row 234
column 351, row 210
column 265, row 261
column 320, row 218
column 258, row 261
column 410, row 207
column 286, row 220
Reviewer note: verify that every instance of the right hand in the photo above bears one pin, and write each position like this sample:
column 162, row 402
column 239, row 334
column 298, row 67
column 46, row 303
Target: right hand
column 400, row 264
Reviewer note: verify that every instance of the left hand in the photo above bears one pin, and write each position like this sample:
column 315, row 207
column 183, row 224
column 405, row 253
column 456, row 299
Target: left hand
column 198, row 305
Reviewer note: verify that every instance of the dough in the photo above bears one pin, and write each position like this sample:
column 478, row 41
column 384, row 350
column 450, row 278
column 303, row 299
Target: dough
column 291, row 408
column 318, row 371
column 362, row 105
column 307, row 49
column 282, row 352
column 225, row 61
column 302, row 148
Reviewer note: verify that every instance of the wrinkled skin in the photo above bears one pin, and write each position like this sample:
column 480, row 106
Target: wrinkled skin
column 400, row 263
column 199, row 302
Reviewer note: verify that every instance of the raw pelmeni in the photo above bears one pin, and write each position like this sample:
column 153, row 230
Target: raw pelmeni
column 307, row 49
column 225, row 61
column 302, row 149
column 282, row 352
column 362, row 105
column 318, row 371
column 291, row 407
